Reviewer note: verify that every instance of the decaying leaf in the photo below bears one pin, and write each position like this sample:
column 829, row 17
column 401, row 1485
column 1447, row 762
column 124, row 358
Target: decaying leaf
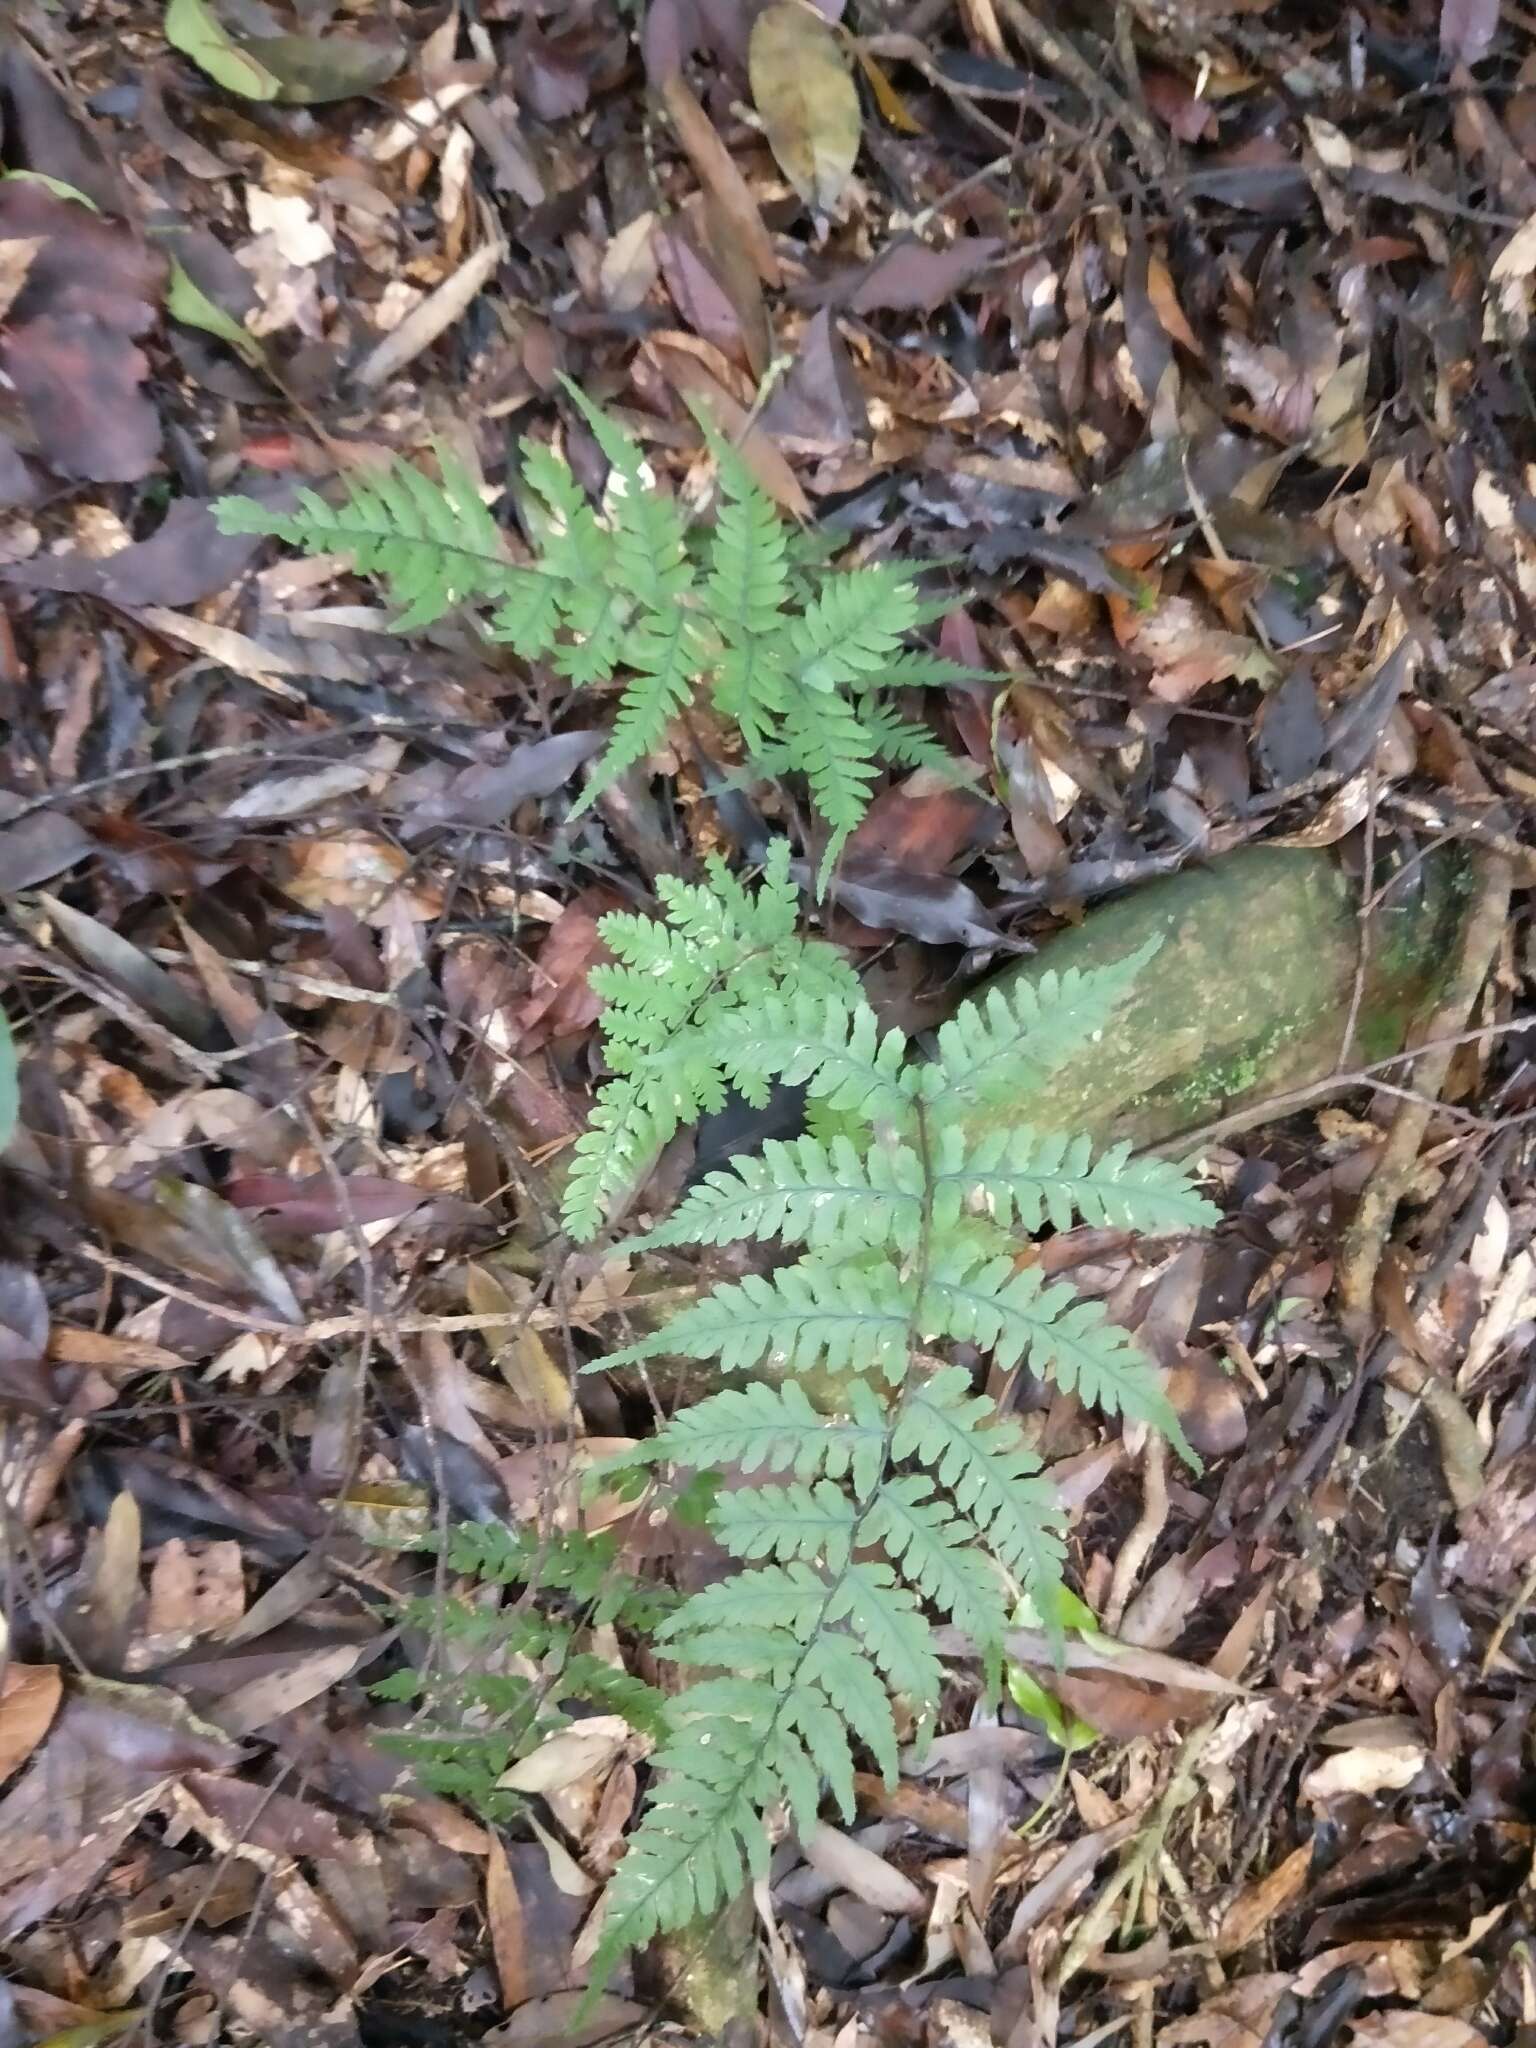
column 810, row 107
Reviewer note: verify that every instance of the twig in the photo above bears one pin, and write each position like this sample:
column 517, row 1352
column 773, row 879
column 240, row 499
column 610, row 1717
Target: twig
column 1507, row 1620
column 1069, row 63
column 1455, row 824
column 1367, row 1233
column 1137, row 1547
column 1369, row 898
column 330, row 1327
column 1461, row 1448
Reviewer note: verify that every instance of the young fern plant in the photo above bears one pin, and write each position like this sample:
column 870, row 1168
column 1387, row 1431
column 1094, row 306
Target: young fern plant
column 876, row 1489
column 503, row 1678
column 795, row 655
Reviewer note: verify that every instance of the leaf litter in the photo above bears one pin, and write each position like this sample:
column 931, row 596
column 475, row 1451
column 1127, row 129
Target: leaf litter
column 1189, row 352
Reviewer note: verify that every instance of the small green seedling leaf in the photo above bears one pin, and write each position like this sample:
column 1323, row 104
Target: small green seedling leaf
column 1068, row 1731
column 192, row 27
column 190, row 304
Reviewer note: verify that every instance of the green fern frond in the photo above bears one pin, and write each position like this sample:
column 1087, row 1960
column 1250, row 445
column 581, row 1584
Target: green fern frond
column 805, row 1192
column 664, row 660
column 434, row 546
column 905, row 744
column 787, row 1523
column 704, row 1836
column 670, row 999
column 908, row 668
column 747, row 584
column 938, row 1554
column 774, row 1428
column 834, row 749
column 992, row 1048
column 985, row 1299
column 477, row 1717
column 1028, row 1178
column 795, row 654
column 806, row 1317
column 885, row 1615
column 786, row 1601
column 989, row 1471
column 836, row 1049
column 853, row 626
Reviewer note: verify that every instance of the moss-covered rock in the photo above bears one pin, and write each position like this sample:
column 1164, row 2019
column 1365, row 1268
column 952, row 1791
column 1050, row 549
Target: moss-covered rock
column 1249, row 995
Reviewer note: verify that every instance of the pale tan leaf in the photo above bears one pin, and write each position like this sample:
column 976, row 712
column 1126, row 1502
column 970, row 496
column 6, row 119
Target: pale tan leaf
column 572, row 1753
column 1414, row 2030
column 629, row 267
column 859, row 1870
column 438, row 311
column 808, row 101
column 1364, row 1772
column 15, row 261
column 542, row 1389
column 504, row 1918
column 1517, row 258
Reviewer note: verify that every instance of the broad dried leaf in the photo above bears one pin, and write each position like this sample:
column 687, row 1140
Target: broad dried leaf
column 36, row 849
column 187, row 1228
column 46, row 134
column 860, row 1871
column 122, row 964
column 569, row 1755
column 81, row 381
column 909, row 277
column 16, row 256
column 1260, row 1902
column 543, row 1391
column 1414, row 2030
column 360, row 872
column 313, row 70
column 888, row 895
column 185, row 560
column 717, row 173
column 808, row 101
column 504, row 1918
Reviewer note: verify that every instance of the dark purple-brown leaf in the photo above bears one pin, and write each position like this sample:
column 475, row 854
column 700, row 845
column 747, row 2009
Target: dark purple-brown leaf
column 81, row 383
column 185, row 560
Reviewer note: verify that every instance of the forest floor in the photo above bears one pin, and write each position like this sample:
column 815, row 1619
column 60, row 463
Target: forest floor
column 1191, row 338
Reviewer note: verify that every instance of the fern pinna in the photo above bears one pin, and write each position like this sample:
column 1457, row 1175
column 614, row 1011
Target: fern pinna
column 875, row 1486
column 791, row 653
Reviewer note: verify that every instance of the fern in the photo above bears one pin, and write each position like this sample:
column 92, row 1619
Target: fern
column 793, row 654
column 875, row 1488
column 505, row 1676
column 434, row 547
column 673, row 988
